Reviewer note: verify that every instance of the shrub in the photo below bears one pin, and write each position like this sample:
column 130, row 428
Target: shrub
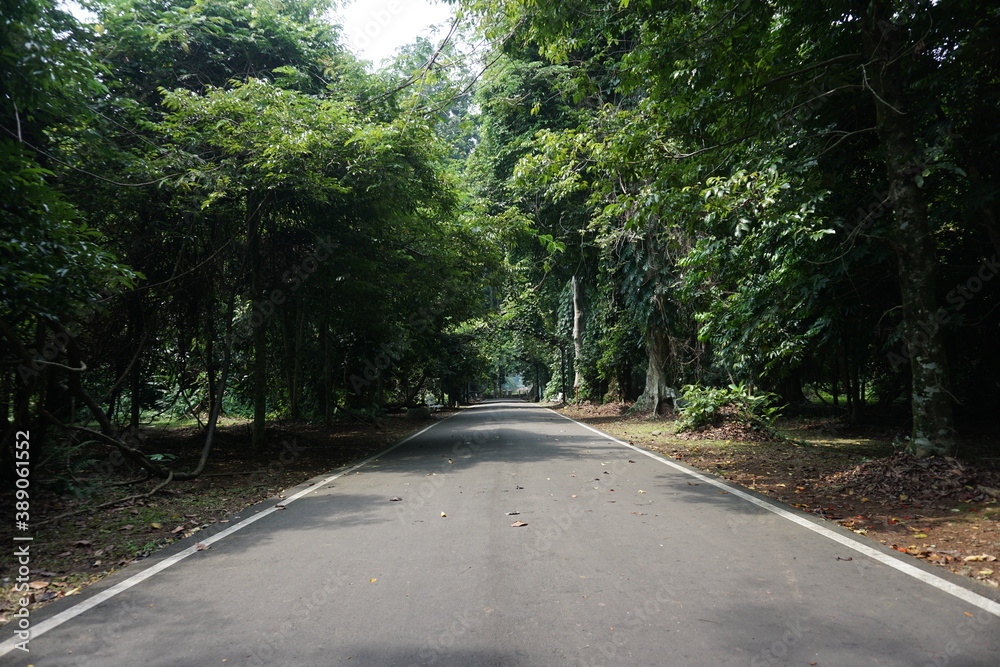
column 704, row 406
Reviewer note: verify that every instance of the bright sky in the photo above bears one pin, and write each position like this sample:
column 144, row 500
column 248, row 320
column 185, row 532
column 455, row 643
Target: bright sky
column 374, row 29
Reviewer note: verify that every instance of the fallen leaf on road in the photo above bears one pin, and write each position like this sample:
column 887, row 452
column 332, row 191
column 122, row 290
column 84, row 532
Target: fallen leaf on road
column 443, row 514
column 641, row 491
column 844, row 559
column 573, row 496
column 518, row 524
column 518, row 487
column 395, row 499
column 372, row 581
column 512, row 513
column 200, row 547
column 692, row 484
column 279, row 507
column 631, row 461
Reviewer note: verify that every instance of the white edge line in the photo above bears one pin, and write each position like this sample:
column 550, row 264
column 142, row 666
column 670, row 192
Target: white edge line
column 91, row 602
column 964, row 594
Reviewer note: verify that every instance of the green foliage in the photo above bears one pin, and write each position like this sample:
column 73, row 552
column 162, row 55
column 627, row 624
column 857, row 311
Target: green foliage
column 707, row 406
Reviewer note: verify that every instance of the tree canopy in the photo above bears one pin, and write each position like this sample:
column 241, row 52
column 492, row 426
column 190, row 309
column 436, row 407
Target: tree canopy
column 213, row 207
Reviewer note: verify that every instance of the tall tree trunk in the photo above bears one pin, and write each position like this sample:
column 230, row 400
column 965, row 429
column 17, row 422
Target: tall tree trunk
column 210, row 368
column 657, row 389
column 295, row 407
column 933, row 426
column 259, row 386
column 577, row 336
column 260, row 329
column 324, row 340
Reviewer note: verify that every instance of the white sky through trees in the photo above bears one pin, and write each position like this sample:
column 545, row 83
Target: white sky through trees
column 374, row 29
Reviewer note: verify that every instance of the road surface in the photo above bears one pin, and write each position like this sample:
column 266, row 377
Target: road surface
column 625, row 559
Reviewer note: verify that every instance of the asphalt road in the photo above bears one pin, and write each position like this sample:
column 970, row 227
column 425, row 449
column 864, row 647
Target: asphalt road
column 625, row 560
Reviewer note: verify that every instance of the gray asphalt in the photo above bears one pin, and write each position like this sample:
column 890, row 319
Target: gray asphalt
column 624, row 561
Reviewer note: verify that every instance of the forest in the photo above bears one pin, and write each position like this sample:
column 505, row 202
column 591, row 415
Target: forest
column 213, row 208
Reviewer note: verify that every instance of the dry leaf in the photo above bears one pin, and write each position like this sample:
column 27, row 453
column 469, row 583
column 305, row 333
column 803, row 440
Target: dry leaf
column 518, row 524
column 395, row 499
column 177, row 530
column 200, row 547
column 512, row 513
column 372, row 581
column 157, row 526
column 443, row 514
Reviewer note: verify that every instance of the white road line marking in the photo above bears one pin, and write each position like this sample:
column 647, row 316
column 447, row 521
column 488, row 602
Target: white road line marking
column 88, row 604
column 964, row 594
